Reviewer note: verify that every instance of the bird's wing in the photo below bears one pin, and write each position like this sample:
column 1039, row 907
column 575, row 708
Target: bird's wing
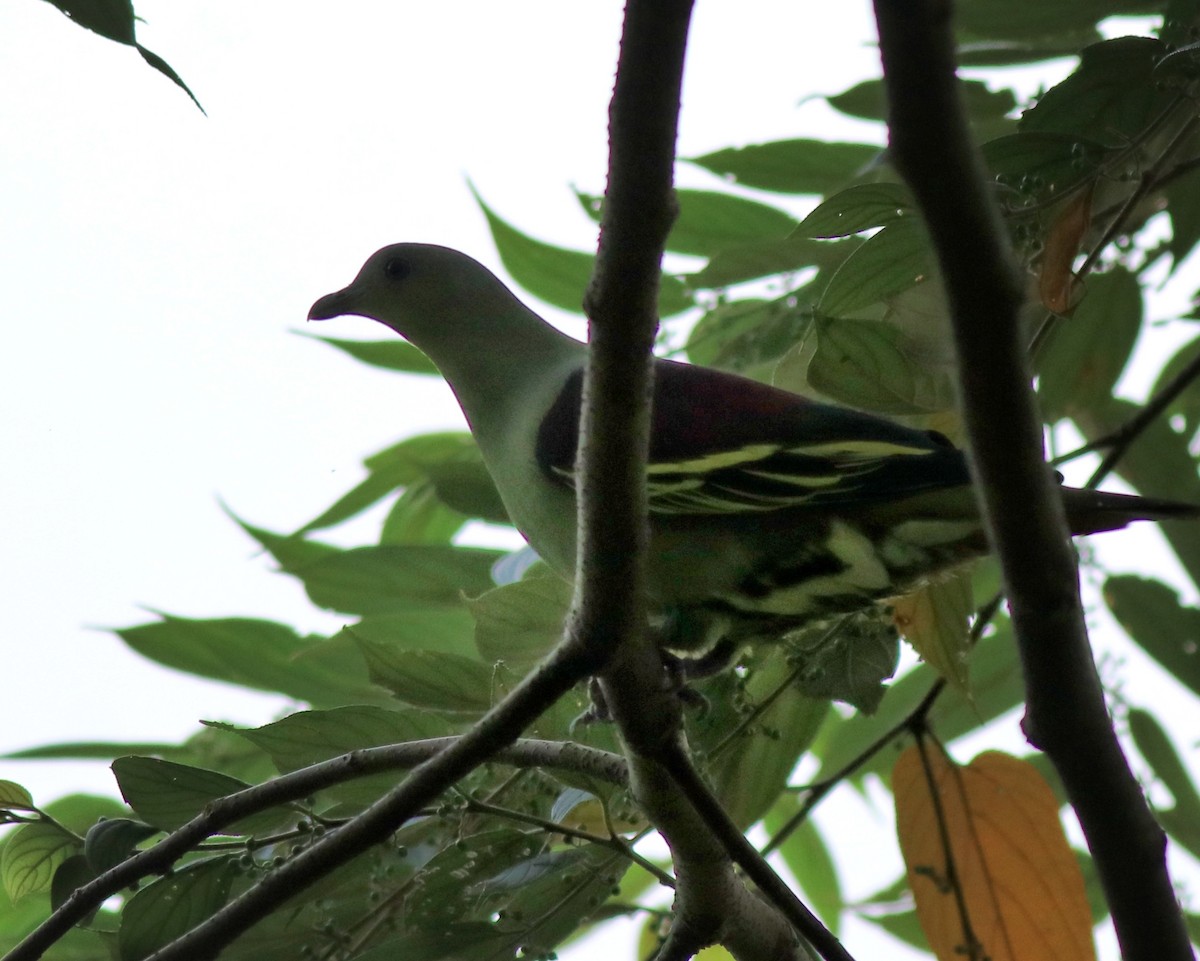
column 722, row 444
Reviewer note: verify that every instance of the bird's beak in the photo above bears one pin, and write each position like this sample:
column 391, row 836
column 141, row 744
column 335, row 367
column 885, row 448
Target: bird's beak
column 332, row 305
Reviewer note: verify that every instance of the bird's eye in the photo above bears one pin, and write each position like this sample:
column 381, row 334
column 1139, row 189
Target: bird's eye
column 397, row 268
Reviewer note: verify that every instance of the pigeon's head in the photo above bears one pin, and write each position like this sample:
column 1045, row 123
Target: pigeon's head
column 417, row 290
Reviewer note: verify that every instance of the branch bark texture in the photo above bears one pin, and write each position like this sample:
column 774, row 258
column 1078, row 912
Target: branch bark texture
column 1066, row 713
column 609, row 617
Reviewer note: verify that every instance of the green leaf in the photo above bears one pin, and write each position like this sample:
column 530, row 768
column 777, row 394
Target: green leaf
column 419, row 516
column 710, row 222
column 89, row 750
column 391, row 578
column 32, row 853
column 1088, row 351
column 1157, row 464
column 868, row 101
column 394, row 354
column 807, row 857
column 1187, row 404
column 849, row 662
column 857, row 208
column 437, row 890
column 109, row 842
column 432, row 679
column 1034, row 164
column 69, row 876
column 865, row 363
column 1166, row 630
column 893, row 260
column 1112, row 94
column 559, row 276
column 114, row 19
column 169, row 795
column 308, row 737
column 995, row 686
column 13, row 797
column 1183, row 207
column 749, row 773
column 791, row 166
column 752, row 261
column 159, row 64
column 450, row 461
column 1031, row 19
column 1182, row 821
column 520, row 623
column 436, row 628
column 171, row 906
column 250, row 653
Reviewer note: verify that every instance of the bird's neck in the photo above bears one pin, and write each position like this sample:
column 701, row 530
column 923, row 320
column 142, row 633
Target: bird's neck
column 502, row 364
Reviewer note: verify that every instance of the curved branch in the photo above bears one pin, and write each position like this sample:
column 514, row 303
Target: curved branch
column 1066, row 714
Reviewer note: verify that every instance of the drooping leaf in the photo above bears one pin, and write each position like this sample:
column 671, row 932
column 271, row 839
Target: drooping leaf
column 1088, row 351
column 431, row 679
column 114, row 19
column 1187, row 404
column 111, row 841
column 893, row 260
column 752, row 769
column 393, row 578
column 849, row 662
column 559, row 276
column 995, row 684
column 709, row 222
column 1182, row 819
column 868, row 364
column 1183, row 207
column 1030, row 19
column 1152, row 615
column 791, row 166
column 394, row 354
column 521, row 622
column 168, row 795
column 867, row 101
column 171, row 906
column 1008, row 866
column 13, row 797
column 251, row 653
column 934, row 620
column 857, row 208
column 807, row 856
column 1112, row 94
column 308, row 737
column 31, row 855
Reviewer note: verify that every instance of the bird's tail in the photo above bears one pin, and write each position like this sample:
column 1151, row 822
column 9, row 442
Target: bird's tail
column 1090, row 512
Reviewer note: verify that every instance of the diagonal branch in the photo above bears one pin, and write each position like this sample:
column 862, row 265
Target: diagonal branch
column 1066, row 714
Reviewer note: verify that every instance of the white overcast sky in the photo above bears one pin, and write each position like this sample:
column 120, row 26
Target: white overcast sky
column 156, row 264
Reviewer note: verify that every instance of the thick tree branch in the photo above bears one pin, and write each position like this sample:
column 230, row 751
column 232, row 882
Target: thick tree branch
column 609, row 615
column 1066, row 714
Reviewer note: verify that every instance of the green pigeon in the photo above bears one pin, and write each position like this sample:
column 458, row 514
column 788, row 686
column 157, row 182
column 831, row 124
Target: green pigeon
column 768, row 511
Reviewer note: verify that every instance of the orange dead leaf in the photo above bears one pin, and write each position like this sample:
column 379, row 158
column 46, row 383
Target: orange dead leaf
column 1056, row 282
column 1011, row 871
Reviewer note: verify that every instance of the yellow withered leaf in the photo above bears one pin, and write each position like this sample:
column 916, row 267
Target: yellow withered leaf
column 1010, row 870
column 934, row 619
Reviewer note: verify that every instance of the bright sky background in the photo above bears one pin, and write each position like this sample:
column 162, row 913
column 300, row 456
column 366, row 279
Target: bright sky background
column 157, row 265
